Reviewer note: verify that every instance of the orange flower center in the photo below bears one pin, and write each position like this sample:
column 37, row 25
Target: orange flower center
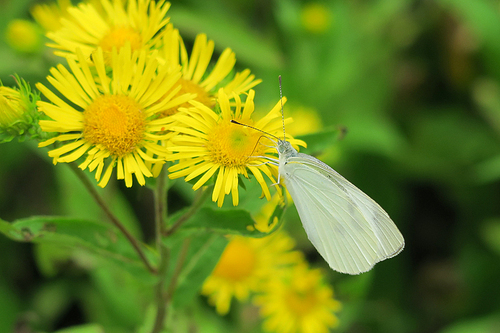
column 231, row 145
column 118, row 36
column 301, row 302
column 115, row 121
column 237, row 262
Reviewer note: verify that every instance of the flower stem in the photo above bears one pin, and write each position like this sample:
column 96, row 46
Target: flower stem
column 100, row 201
column 161, row 216
column 165, row 293
column 198, row 202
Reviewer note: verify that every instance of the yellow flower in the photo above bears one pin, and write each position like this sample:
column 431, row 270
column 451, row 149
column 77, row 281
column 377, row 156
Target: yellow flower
column 49, row 15
column 23, row 36
column 263, row 216
column 306, row 120
column 12, row 109
column 208, row 143
column 195, row 77
column 18, row 116
column 113, row 120
column 139, row 23
column 316, row 17
column 298, row 303
column 245, row 266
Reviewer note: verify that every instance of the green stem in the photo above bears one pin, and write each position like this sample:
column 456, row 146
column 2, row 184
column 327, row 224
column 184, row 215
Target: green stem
column 161, row 207
column 178, row 269
column 100, row 201
column 161, row 214
column 198, row 202
column 163, row 297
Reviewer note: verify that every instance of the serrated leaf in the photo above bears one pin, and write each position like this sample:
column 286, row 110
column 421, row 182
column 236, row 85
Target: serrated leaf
column 104, row 240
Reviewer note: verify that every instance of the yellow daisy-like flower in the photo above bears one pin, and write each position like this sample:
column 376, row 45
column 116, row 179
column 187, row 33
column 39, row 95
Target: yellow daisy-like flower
column 245, row 266
column 210, row 143
column 298, row 303
column 138, row 23
column 113, row 120
column 49, row 15
column 195, row 78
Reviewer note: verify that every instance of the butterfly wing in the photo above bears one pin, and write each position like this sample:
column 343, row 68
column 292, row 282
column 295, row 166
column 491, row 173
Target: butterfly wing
column 350, row 230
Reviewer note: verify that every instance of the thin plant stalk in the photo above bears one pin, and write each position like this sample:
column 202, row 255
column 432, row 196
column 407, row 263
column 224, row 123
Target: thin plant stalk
column 114, row 220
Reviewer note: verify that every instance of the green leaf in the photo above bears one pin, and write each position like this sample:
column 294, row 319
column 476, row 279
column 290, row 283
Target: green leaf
column 489, row 170
column 477, row 325
column 320, row 141
column 490, row 232
column 277, row 216
column 10, row 302
column 224, row 221
column 50, row 256
column 77, row 202
column 198, row 252
column 88, row 328
column 103, row 240
column 117, row 306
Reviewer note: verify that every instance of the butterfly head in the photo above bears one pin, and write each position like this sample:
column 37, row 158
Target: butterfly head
column 285, row 148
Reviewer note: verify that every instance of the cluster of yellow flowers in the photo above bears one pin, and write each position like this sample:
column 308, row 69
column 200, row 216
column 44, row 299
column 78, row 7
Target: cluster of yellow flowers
column 132, row 98
column 268, row 273
column 138, row 99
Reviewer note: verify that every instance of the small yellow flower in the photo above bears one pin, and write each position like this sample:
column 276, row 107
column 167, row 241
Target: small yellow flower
column 48, row 16
column 298, row 303
column 139, row 23
column 12, row 110
column 245, row 266
column 113, row 120
column 306, row 120
column 18, row 116
column 195, row 76
column 316, row 17
column 263, row 216
column 23, row 36
column 208, row 143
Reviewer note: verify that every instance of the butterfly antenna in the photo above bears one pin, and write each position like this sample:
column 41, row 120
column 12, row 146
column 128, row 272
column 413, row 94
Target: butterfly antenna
column 255, row 128
column 282, row 112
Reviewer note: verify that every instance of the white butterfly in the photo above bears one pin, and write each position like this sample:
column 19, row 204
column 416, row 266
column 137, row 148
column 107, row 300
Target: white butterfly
column 350, row 230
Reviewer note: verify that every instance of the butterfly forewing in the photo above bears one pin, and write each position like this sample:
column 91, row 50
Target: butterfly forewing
column 350, row 230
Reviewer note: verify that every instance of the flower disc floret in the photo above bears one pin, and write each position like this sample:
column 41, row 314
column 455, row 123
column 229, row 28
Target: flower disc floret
column 116, row 122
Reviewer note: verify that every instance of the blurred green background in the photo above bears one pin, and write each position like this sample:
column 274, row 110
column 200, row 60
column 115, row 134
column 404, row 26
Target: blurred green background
column 416, row 85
